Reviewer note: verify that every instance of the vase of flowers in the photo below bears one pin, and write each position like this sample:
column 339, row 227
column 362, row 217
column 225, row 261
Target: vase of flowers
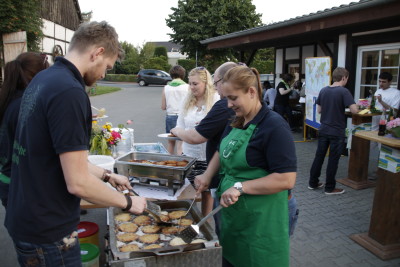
column 104, row 139
column 393, row 127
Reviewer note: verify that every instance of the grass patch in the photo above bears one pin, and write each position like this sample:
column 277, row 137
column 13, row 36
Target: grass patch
column 101, row 90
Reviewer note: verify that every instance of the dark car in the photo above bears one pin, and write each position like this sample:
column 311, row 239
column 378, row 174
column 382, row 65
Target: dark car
column 150, row 76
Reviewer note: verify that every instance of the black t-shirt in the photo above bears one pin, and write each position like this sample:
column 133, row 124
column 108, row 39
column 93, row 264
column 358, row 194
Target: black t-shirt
column 55, row 117
column 333, row 101
column 212, row 126
column 271, row 146
column 282, row 100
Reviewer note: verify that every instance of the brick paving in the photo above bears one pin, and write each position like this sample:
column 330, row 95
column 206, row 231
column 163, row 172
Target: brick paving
column 322, row 234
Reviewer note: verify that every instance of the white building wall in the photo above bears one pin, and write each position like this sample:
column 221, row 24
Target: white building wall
column 342, row 50
column 292, row 53
column 307, row 51
column 278, row 65
column 53, row 31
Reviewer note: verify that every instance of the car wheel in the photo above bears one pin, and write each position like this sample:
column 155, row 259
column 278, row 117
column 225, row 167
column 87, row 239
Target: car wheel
column 142, row 83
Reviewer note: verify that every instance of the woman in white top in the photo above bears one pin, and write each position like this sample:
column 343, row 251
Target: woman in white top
column 197, row 104
column 172, row 96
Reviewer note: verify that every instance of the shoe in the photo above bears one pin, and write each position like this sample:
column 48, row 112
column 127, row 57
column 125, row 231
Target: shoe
column 320, row 185
column 335, row 191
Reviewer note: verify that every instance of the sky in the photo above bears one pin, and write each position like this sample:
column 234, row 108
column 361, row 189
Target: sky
column 138, row 22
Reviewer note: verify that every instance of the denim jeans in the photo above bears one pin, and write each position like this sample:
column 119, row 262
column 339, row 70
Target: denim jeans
column 51, row 255
column 336, row 144
column 170, row 122
column 293, row 214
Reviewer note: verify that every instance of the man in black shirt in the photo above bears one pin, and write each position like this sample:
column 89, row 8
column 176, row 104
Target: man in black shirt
column 50, row 172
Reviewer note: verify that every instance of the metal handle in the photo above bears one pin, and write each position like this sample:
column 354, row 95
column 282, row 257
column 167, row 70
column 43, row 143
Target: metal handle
column 209, row 215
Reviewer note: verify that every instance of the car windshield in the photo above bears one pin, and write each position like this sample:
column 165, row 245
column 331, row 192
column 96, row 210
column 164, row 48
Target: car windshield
column 163, row 72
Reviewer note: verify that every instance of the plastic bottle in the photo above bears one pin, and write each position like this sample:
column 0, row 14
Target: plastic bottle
column 382, row 124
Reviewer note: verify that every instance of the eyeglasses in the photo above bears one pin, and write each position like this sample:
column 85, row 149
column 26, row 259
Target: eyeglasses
column 200, row 68
column 215, row 83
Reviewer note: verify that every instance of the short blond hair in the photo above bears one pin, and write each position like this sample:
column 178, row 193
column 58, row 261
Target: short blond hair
column 99, row 34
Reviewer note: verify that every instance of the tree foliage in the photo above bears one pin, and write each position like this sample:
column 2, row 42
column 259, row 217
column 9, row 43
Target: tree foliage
column 193, row 21
column 160, row 51
column 22, row 15
column 159, row 63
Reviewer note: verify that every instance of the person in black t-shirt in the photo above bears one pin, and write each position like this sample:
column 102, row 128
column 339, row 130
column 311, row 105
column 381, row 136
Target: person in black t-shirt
column 50, row 171
column 210, row 130
column 17, row 75
column 283, row 91
column 331, row 103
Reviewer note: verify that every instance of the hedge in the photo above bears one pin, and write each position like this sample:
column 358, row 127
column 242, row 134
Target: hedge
column 120, row 77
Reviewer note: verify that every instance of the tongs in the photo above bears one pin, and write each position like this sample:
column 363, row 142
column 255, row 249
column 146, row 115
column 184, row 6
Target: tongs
column 191, row 232
column 152, row 209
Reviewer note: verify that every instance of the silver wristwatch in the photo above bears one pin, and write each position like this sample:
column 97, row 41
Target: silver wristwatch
column 239, row 187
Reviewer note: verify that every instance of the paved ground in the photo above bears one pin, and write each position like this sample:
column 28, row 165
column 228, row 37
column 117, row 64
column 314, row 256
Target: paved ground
column 325, row 222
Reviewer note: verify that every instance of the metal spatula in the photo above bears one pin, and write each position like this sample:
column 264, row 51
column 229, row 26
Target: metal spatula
column 154, row 210
column 192, row 231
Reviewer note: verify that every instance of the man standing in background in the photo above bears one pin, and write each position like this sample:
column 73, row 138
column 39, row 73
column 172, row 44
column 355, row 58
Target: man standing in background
column 331, row 103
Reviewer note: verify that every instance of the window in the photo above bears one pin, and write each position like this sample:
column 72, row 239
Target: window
column 371, row 61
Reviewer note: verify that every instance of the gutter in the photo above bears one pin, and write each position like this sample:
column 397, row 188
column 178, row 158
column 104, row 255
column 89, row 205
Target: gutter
column 353, row 6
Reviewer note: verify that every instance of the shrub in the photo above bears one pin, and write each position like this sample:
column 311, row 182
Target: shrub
column 120, row 77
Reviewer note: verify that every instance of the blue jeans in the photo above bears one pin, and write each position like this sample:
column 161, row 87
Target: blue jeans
column 336, row 144
column 52, row 255
column 170, row 122
column 293, row 214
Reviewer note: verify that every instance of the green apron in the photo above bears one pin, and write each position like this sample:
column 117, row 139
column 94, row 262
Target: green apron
column 254, row 231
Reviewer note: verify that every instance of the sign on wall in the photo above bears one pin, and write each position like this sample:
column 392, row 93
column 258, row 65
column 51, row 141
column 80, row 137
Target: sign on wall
column 318, row 76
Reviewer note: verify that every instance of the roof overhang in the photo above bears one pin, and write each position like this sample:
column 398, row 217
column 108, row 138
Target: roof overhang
column 359, row 16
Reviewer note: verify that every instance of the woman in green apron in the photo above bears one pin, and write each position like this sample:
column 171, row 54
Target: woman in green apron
column 257, row 164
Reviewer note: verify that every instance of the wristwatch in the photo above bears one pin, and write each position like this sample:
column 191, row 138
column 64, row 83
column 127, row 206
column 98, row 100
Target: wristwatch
column 239, row 187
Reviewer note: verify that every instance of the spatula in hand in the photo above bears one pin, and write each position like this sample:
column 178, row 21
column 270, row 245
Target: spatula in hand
column 191, row 232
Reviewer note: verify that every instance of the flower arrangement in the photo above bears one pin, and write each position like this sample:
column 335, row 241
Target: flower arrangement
column 103, row 139
column 393, row 127
column 363, row 103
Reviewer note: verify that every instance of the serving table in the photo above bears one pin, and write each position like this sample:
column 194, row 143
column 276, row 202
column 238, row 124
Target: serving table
column 357, row 178
column 383, row 236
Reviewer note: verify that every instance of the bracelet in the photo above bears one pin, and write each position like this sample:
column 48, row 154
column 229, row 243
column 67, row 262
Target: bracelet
column 106, row 175
column 129, row 203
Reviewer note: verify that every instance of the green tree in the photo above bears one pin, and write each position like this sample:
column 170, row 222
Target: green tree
column 159, row 63
column 160, row 51
column 193, row 21
column 146, row 52
column 264, row 60
column 22, row 15
column 131, row 63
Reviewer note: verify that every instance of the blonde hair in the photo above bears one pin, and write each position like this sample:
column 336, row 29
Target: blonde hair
column 209, row 94
column 100, row 34
column 242, row 78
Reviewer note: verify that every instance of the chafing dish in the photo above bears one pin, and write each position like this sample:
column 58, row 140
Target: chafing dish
column 170, row 177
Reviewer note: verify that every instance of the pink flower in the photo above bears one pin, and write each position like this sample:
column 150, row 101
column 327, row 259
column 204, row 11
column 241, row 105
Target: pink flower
column 393, row 124
column 116, row 135
column 128, row 122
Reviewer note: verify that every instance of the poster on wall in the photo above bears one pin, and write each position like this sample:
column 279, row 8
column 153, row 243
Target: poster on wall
column 318, row 75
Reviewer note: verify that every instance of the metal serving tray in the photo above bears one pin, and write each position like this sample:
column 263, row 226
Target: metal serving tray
column 205, row 229
column 154, row 175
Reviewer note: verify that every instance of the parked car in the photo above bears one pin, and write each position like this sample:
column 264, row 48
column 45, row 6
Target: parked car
column 150, row 76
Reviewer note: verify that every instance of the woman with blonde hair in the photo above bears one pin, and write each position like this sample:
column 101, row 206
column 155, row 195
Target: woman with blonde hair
column 197, row 104
column 257, row 165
